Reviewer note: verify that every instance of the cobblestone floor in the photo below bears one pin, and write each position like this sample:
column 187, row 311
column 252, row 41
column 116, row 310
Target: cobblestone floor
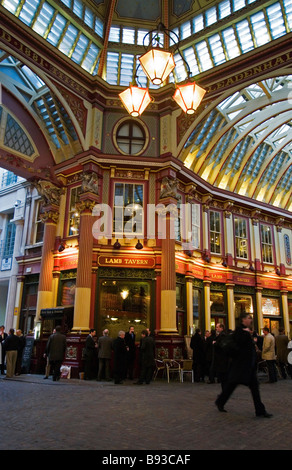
column 38, row 414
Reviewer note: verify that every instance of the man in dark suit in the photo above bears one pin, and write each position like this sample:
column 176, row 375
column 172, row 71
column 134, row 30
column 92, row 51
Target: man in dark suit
column 55, row 350
column 105, row 346
column 120, row 358
column 131, row 354
column 3, row 336
column 147, row 354
column 89, row 353
column 243, row 368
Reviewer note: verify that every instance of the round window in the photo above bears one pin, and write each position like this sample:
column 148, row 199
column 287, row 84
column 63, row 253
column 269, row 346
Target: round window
column 130, row 138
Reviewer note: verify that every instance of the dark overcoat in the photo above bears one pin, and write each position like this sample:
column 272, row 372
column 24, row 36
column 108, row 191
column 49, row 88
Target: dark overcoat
column 147, row 352
column 56, row 347
column 244, row 365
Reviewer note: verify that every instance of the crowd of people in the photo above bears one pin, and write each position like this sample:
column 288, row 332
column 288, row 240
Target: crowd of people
column 11, row 348
column 233, row 358
column 123, row 351
column 211, row 362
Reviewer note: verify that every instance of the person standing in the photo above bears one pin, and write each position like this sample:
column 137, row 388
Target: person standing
column 3, row 336
column 221, row 360
column 120, row 358
column 243, row 368
column 55, row 350
column 198, row 346
column 147, row 354
column 131, row 352
column 89, row 355
column 282, row 351
column 11, row 345
column 105, row 346
column 19, row 352
column 269, row 355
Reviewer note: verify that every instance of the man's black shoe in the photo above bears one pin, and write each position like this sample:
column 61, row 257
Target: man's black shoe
column 220, row 407
column 264, row 415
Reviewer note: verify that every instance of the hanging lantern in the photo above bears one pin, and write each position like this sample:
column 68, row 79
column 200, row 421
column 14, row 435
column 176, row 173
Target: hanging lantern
column 135, row 100
column 189, row 97
column 157, row 65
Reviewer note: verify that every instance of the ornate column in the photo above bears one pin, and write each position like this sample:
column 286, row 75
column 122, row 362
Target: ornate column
column 207, row 289
column 259, row 308
column 50, row 215
column 88, row 199
column 230, row 306
column 284, row 298
column 168, row 197
column 190, row 318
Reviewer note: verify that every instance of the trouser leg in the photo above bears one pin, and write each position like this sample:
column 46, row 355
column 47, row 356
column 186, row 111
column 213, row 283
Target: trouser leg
column 255, row 391
column 226, row 393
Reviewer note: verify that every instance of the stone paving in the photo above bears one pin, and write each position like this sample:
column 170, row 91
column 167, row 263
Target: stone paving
column 71, row 414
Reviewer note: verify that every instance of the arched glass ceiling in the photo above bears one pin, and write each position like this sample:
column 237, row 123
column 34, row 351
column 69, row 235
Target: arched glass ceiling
column 245, row 144
column 30, row 89
column 81, row 38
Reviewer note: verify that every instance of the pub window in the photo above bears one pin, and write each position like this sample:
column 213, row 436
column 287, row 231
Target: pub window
column 128, row 210
column 74, row 216
column 267, row 244
column 215, row 232
column 39, row 225
column 241, row 239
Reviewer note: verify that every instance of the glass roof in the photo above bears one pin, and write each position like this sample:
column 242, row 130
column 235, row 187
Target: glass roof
column 77, row 29
column 244, row 145
column 31, row 90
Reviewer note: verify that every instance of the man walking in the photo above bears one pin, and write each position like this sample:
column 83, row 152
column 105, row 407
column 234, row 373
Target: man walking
column 105, row 346
column 243, row 368
column 55, row 350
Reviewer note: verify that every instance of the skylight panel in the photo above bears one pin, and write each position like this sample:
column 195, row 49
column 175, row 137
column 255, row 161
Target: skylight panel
column 68, row 40
column 230, row 42
column 198, row 23
column 224, row 9
column 244, row 36
column 276, row 20
column 204, row 56
column 217, row 49
column 185, row 30
column 238, row 4
column 88, row 17
column 114, row 35
column 33, row 77
column 56, row 30
column 28, row 11
column 43, row 20
column 128, row 35
column 112, row 68
column 126, row 74
column 78, row 8
column 80, row 49
column 191, row 59
column 11, row 5
column 260, row 28
column 141, row 33
column 90, row 57
column 98, row 28
column 211, row 16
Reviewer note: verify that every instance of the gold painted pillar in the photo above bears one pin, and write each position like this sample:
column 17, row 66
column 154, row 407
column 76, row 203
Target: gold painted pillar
column 45, row 290
column 88, row 199
column 168, row 324
column 207, row 290
column 190, row 314
column 284, row 298
column 259, row 309
column 230, row 306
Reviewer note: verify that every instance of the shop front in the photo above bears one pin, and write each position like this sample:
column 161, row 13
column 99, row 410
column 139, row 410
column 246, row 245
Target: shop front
column 218, row 305
column 271, row 310
column 125, row 297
